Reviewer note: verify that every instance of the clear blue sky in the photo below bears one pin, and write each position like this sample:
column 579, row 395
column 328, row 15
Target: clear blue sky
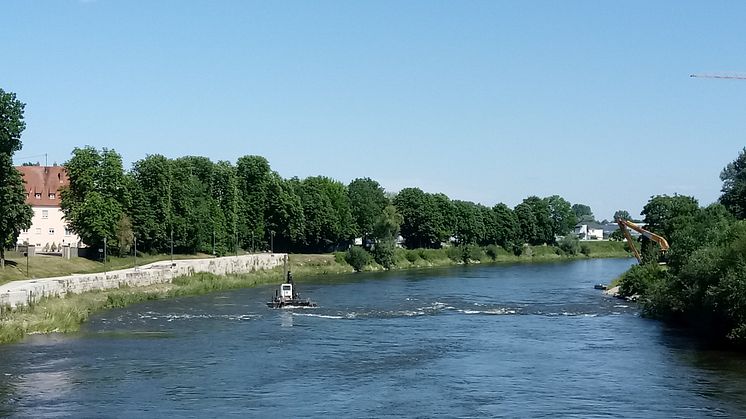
column 486, row 101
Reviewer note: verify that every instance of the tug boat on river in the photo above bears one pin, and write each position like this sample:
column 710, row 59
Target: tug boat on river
column 286, row 296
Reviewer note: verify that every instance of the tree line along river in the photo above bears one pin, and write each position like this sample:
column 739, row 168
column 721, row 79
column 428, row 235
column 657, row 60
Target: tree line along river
column 478, row 341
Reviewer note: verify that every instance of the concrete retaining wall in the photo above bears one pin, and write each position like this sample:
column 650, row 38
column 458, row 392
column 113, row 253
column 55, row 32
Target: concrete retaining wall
column 19, row 293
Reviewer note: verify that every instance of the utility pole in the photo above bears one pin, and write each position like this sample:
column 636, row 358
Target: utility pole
column 104, row 257
column 272, row 241
column 213, row 242
column 172, row 246
column 135, row 252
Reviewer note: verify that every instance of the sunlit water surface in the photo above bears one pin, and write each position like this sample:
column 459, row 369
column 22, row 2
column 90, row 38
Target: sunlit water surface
column 478, row 341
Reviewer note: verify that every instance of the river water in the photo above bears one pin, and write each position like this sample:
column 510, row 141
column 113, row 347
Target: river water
column 478, row 341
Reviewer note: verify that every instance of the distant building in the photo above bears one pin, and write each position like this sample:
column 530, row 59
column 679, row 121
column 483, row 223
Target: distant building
column 43, row 184
column 589, row 230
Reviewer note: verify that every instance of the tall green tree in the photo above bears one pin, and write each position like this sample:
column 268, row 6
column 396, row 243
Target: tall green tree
column 150, row 211
column 469, row 227
column 385, row 232
column 507, row 231
column 15, row 214
column 95, row 199
column 284, row 214
column 583, row 212
column 622, row 215
column 253, row 181
column 424, row 222
column 563, row 218
column 664, row 215
column 326, row 210
column 367, row 201
column 734, row 186
column 11, row 123
column 544, row 222
column 224, row 190
column 527, row 225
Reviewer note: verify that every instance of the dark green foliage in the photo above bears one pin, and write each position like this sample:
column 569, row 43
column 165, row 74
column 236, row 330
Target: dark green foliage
column 326, row 210
column 455, row 253
column 639, row 279
column 469, row 226
column 384, row 253
column 411, row 255
column 527, row 226
column 616, row 235
column 664, row 215
column 506, row 231
column 622, row 214
column 357, row 257
column 150, row 183
column 492, row 251
column 387, row 224
column 569, row 245
column 284, row 213
column 424, row 218
column 543, row 217
column 561, row 215
column 472, row 253
column 583, row 212
column 585, row 249
column 11, row 123
column 253, row 183
column 734, row 186
column 367, row 202
column 97, row 195
column 15, row 214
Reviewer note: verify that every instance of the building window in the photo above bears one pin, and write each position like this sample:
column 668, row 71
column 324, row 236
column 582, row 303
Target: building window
column 51, row 231
column 37, row 195
column 38, row 231
column 44, row 214
column 52, row 196
column 25, row 230
column 67, row 232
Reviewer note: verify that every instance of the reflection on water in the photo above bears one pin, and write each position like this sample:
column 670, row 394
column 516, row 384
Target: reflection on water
column 516, row 341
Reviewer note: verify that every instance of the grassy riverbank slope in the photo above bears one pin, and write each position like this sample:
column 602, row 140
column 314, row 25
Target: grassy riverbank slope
column 47, row 266
column 67, row 314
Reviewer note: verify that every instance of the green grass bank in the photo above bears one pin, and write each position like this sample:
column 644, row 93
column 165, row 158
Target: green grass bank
column 63, row 315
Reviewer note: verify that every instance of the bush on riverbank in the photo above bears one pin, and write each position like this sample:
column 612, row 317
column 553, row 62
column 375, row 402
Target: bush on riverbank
column 414, row 258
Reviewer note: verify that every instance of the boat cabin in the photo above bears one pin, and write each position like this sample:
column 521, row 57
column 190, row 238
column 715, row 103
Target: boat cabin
column 286, row 291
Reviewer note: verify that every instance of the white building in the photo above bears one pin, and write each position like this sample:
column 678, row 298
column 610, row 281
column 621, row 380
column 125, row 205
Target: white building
column 48, row 229
column 589, row 231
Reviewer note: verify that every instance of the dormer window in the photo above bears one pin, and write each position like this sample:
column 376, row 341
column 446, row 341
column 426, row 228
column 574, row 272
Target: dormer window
column 52, row 196
column 37, row 195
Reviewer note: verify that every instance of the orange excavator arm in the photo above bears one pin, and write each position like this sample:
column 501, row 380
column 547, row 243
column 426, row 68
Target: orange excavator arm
column 624, row 224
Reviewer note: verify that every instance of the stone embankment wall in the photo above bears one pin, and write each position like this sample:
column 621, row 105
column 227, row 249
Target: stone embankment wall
column 19, row 293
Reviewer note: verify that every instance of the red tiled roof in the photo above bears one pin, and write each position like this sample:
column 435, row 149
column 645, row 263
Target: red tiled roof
column 43, row 182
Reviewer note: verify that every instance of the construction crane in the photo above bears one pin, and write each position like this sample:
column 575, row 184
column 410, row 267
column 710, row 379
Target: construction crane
column 736, row 76
column 624, row 225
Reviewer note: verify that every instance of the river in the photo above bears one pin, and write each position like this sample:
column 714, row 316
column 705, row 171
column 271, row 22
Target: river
column 478, row 341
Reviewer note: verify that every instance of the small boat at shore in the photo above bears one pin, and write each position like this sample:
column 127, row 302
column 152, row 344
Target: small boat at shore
column 601, row 287
column 286, row 296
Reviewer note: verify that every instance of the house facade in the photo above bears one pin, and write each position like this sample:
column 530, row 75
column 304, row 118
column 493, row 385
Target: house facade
column 589, row 231
column 48, row 231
